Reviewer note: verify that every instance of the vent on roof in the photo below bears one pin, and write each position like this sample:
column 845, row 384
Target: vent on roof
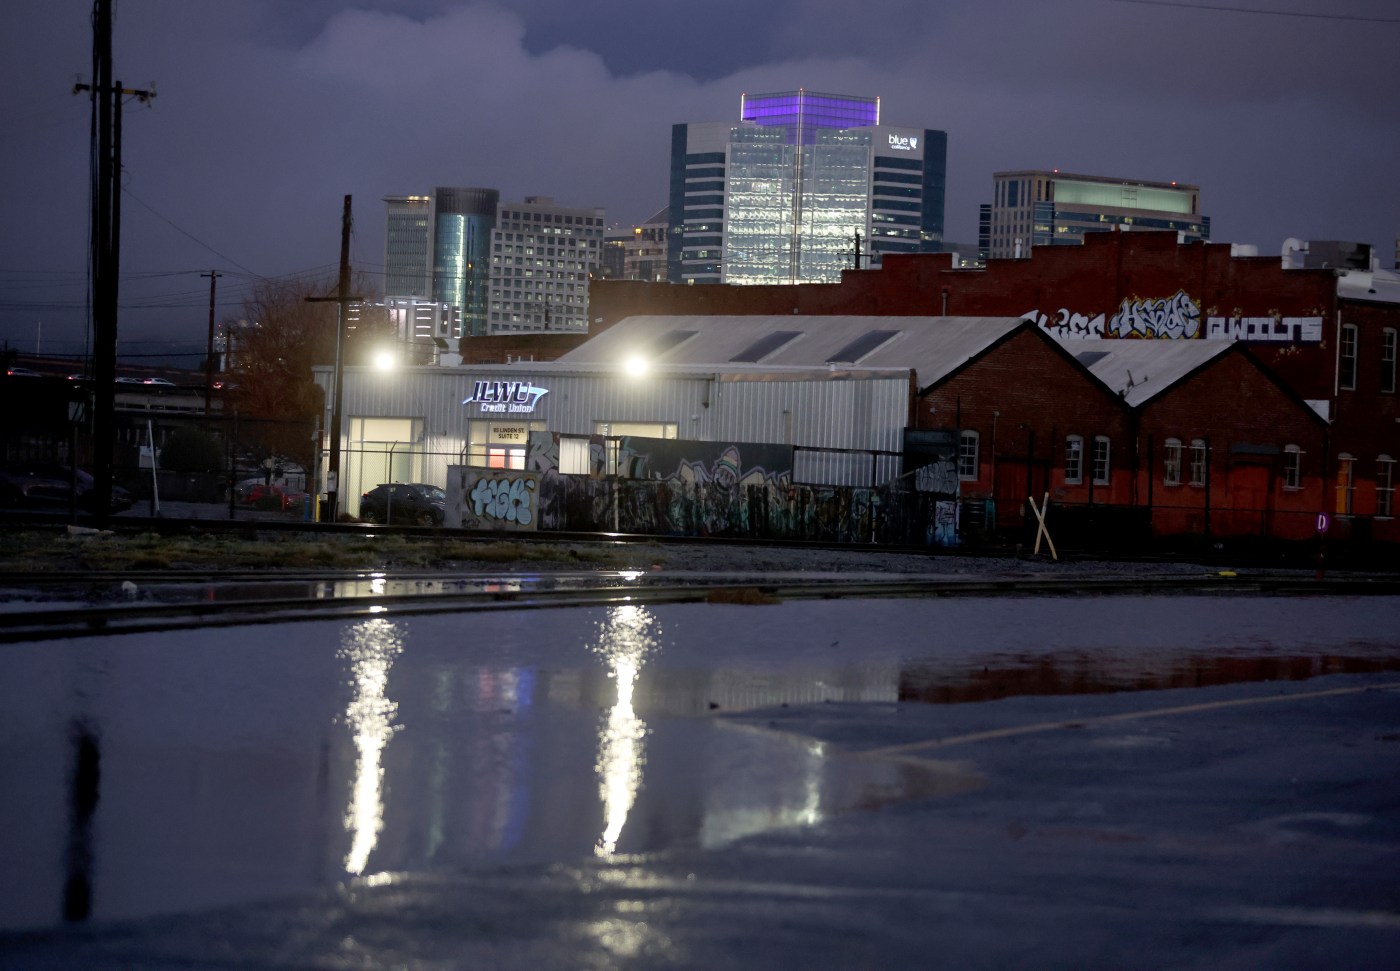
column 861, row 346
column 1090, row 358
column 669, row 341
column 764, row 346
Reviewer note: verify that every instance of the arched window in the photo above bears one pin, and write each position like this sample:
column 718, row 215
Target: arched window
column 1292, row 467
column 1388, row 360
column 968, row 447
column 1074, row 459
column 1101, row 453
column 1198, row 461
column 1346, row 359
column 1171, row 462
column 1346, row 483
column 1385, row 486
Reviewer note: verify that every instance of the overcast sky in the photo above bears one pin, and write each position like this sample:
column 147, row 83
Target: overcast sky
column 268, row 112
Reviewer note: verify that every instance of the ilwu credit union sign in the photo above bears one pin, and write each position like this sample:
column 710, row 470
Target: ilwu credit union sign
column 505, row 397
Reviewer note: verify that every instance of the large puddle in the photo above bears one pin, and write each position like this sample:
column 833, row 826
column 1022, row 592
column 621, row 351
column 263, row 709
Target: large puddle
column 148, row 774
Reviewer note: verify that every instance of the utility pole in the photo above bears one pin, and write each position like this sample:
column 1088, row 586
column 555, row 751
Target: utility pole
column 106, row 246
column 213, row 276
column 344, row 298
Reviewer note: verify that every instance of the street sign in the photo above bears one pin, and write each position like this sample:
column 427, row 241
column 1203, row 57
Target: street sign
column 1322, row 522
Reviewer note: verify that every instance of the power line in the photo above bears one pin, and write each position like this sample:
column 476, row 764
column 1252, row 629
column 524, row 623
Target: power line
column 1266, row 13
column 187, row 235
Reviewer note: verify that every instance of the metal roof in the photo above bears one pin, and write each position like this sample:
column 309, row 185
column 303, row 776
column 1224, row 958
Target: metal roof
column 933, row 346
column 1377, row 285
column 1138, row 370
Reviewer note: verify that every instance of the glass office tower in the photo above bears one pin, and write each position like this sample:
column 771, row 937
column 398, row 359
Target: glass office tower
column 462, row 252
column 408, row 247
column 805, row 186
column 1039, row 207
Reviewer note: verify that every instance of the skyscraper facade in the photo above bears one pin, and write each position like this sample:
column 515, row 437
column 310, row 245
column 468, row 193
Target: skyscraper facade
column 639, row 252
column 543, row 257
column 463, row 220
column 804, row 186
column 408, row 247
column 1053, row 208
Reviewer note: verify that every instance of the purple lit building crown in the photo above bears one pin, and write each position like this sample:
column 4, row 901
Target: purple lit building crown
column 806, row 111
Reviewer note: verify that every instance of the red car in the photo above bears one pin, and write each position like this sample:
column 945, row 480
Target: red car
column 267, row 497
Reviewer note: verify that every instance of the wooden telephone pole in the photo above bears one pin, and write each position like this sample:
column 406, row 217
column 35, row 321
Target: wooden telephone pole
column 213, row 276
column 344, row 298
column 106, row 247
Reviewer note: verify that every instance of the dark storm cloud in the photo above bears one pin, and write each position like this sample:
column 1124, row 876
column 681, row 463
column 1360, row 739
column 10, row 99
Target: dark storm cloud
column 269, row 112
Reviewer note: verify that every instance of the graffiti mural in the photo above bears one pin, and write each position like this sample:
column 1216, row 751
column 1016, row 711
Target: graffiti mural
column 725, row 463
column 1067, row 323
column 1287, row 330
column 675, row 487
column 493, row 498
column 940, row 476
column 1176, row 318
column 945, row 523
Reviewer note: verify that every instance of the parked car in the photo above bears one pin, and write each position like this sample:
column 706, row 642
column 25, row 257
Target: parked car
column 267, row 497
column 404, row 503
column 46, row 484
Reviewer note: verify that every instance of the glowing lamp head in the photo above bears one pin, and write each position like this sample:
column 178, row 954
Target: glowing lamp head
column 384, row 360
column 635, row 366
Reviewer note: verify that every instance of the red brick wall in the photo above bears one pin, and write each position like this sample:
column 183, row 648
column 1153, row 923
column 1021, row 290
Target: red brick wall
column 503, row 348
column 1092, row 279
column 1239, row 411
column 1023, row 398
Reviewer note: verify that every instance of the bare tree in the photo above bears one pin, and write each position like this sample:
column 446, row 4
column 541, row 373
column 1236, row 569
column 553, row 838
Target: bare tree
column 282, row 335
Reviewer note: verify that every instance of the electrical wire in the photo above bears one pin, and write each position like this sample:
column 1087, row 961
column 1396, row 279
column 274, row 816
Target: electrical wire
column 190, row 236
column 1222, row 8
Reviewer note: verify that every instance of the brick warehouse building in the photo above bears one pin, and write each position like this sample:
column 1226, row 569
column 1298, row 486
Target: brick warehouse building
column 1327, row 337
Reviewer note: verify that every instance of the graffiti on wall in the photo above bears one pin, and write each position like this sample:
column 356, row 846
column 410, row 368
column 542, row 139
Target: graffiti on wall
column 1066, row 323
column 940, row 476
column 1177, row 317
column 725, row 463
column 493, row 498
column 1286, row 330
column 945, row 523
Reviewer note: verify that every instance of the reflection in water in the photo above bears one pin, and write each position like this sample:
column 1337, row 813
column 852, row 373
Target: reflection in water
column 370, row 647
column 624, row 640
column 83, row 795
column 499, row 746
column 1090, row 672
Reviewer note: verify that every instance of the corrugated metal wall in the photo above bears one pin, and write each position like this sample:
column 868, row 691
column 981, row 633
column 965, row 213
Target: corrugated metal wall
column 840, row 410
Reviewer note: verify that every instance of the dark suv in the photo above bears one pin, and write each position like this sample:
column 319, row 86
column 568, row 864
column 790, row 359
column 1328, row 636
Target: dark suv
column 404, row 503
column 48, row 484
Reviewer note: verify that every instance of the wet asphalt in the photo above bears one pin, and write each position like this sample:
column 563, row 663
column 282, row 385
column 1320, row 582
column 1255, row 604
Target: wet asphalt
column 1165, row 798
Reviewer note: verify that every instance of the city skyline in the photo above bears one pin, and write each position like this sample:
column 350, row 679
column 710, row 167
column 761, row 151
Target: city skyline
column 267, row 115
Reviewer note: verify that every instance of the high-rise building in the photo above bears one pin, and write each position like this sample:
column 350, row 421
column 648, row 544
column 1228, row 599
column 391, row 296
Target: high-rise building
column 1040, row 208
column 638, row 253
column 463, row 220
column 804, row 186
column 543, row 256
column 408, row 247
